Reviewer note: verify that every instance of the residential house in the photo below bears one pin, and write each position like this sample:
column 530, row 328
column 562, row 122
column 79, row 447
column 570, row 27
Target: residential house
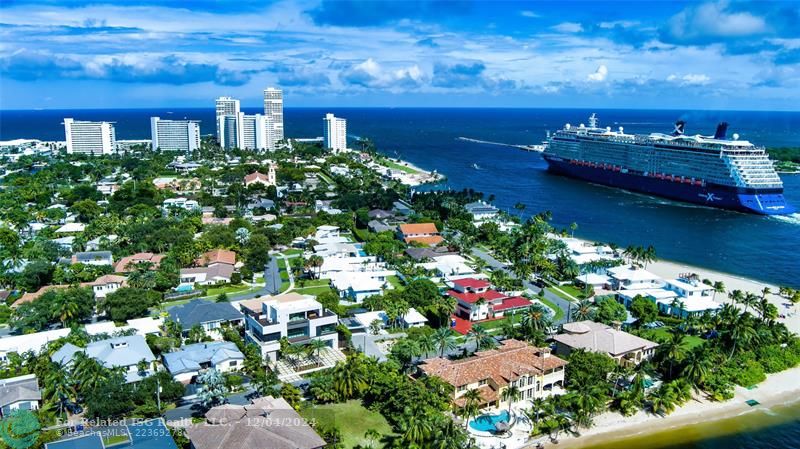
column 412, row 318
column 534, row 371
column 119, row 352
column 127, row 263
column 476, row 300
column 20, row 344
column 65, row 243
column 19, row 393
column 326, row 231
column 211, row 275
column 598, row 337
column 378, row 226
column 380, row 214
column 71, row 228
column 420, row 254
column 299, row 318
column 585, row 253
column 402, row 208
column 97, row 243
column 106, row 284
column 450, row 266
column 358, row 285
column 188, row 362
column 180, row 203
column 481, row 211
column 178, row 185
column 107, row 186
column 266, row 423
column 326, row 206
column 32, row 296
column 206, row 314
column 680, row 297
column 98, row 258
column 632, row 278
column 425, row 233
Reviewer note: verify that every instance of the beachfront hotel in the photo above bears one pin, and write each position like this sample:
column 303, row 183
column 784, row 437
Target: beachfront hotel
column 175, row 135
column 273, row 111
column 534, row 371
column 92, row 138
column 335, row 133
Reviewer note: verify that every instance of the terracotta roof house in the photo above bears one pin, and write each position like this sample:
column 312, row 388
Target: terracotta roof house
column 32, row 296
column 266, row 423
column 476, row 300
column 122, row 265
column 106, row 284
column 534, row 371
column 216, row 256
column 425, row 233
column 598, row 337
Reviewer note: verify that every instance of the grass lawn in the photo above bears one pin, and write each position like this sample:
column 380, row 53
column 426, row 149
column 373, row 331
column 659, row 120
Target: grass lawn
column 559, row 293
column 361, row 234
column 228, row 289
column 292, row 252
column 558, row 312
column 572, row 290
column 661, row 333
column 395, row 282
column 352, row 419
column 395, row 166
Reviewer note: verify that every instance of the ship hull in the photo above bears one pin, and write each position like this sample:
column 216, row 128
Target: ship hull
column 766, row 202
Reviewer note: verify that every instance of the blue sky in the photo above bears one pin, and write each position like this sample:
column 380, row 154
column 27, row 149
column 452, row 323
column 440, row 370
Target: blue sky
column 649, row 54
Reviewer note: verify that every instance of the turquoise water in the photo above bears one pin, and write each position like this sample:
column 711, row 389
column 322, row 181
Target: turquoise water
column 183, row 288
column 486, row 423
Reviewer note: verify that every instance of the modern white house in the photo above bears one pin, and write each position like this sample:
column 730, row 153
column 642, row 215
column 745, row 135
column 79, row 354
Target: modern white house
column 210, row 275
column 92, row 138
column 356, row 286
column 175, row 135
column 188, row 362
column 334, row 133
column 678, row 297
column 412, row 318
column 482, row 211
column 97, row 258
column 299, row 318
column 633, row 278
column 582, row 252
column 180, row 203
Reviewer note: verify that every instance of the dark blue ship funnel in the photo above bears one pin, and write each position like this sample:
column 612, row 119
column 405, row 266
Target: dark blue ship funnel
column 722, row 129
column 679, row 125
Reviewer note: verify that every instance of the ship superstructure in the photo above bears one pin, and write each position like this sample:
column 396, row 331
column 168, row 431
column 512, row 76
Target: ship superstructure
column 710, row 170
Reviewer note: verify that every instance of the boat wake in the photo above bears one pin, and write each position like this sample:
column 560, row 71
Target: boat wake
column 792, row 219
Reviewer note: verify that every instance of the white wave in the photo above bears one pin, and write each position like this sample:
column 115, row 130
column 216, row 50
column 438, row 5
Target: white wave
column 792, row 219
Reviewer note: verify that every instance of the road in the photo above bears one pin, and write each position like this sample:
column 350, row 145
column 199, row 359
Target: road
column 555, row 299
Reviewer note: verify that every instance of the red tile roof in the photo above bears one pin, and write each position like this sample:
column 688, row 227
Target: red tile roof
column 471, row 298
column 428, row 240
column 122, row 265
column 418, row 228
column 472, row 283
column 512, row 303
column 217, row 256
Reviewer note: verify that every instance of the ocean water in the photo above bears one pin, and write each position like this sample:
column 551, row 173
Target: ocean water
column 766, row 248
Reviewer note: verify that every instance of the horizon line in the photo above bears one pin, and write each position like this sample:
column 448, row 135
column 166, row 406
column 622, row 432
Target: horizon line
column 605, row 108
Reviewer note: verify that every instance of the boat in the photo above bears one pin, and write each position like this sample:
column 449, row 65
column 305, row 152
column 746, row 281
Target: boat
column 476, row 166
column 715, row 171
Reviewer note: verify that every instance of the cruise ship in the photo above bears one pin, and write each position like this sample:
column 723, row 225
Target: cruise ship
column 714, row 171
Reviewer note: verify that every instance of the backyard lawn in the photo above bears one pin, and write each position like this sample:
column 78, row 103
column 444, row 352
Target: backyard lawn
column 395, row 282
column 352, row 419
column 228, row 289
column 314, row 291
column 559, row 313
column 395, row 166
column 662, row 333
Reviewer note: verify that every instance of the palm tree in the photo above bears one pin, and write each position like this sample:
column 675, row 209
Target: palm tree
column 482, row 337
column 427, row 344
column 741, row 330
column 314, row 348
column 58, row 387
column 472, row 398
column 572, row 227
column 588, row 399
column 719, row 287
column 65, row 308
column 416, row 429
column 583, row 311
column 539, row 406
column 662, row 401
column 350, row 377
column 511, row 394
column 749, row 300
column 674, row 350
column 444, row 340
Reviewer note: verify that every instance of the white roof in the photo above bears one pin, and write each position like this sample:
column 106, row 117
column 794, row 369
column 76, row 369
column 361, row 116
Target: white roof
column 659, row 294
column 71, row 227
column 357, row 280
column 30, row 342
column 452, row 265
column 700, row 304
column 690, row 287
column 368, row 317
column 594, row 279
column 628, row 273
column 414, row 317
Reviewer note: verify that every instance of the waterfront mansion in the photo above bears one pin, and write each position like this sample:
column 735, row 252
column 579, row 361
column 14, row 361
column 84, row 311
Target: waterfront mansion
column 534, row 371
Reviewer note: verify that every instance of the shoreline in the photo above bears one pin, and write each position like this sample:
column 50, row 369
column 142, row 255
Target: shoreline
column 778, row 390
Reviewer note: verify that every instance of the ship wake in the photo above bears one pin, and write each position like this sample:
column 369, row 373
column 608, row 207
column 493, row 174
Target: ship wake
column 791, row 218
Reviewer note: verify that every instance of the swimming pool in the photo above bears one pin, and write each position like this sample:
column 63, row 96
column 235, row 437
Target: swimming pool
column 487, row 423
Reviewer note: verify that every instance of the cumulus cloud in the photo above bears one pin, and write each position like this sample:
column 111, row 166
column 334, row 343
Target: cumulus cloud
column 371, row 74
column 568, row 27
column 599, row 75
column 529, row 14
column 712, row 22
column 458, row 75
column 689, row 79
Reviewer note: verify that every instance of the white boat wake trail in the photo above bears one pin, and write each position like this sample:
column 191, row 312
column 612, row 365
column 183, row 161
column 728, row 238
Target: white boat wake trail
column 792, row 219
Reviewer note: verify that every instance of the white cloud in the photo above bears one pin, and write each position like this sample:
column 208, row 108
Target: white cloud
column 618, row 23
column 599, row 75
column 529, row 14
column 568, row 27
column 714, row 20
column 689, row 79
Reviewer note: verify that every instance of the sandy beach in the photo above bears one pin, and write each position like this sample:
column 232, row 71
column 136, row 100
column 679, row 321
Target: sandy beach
column 779, row 389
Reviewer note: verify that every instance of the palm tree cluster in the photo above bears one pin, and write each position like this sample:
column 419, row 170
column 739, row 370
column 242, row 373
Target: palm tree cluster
column 640, row 255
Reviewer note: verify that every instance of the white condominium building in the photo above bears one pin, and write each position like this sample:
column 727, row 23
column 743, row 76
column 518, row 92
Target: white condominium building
column 256, row 133
column 335, row 133
column 228, row 122
column 93, row 138
column 175, row 135
column 273, row 110
column 229, row 130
